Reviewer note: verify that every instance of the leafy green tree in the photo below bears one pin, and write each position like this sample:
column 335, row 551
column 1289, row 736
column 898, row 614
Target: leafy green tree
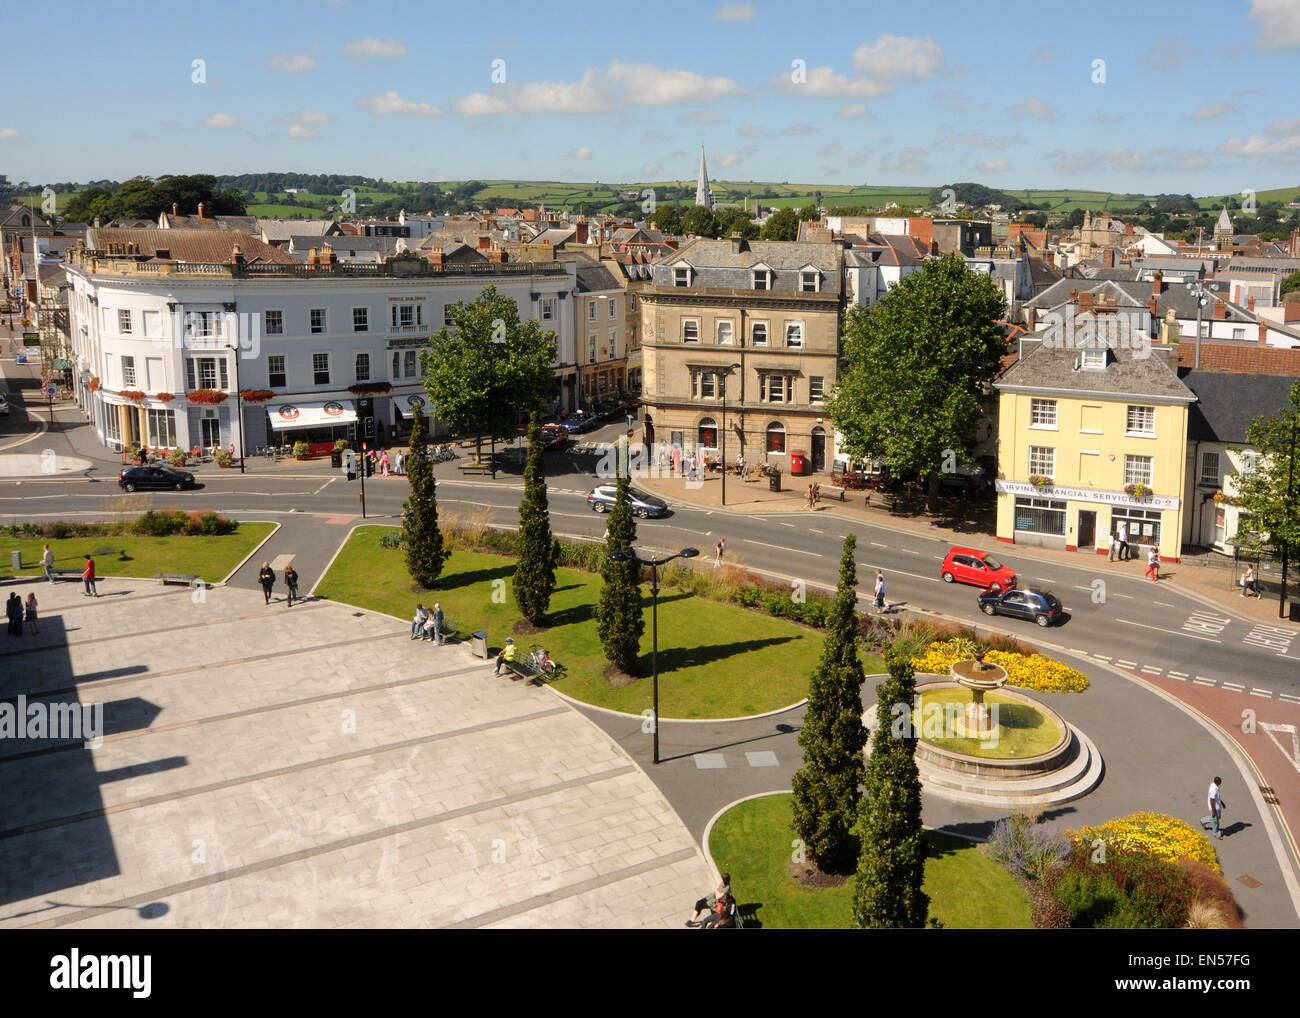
column 826, row 795
column 488, row 368
column 891, row 867
column 737, row 221
column 782, row 225
column 810, row 213
column 535, row 570
column 1270, row 494
column 699, row 221
column 667, row 218
column 619, row 618
column 918, row 365
column 425, row 551
column 1291, row 284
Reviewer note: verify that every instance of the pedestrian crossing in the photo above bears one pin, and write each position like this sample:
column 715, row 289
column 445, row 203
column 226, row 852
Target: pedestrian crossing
column 718, row 761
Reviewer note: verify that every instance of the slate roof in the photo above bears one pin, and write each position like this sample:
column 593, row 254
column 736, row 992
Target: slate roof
column 1042, row 367
column 1135, row 294
column 283, row 229
column 1227, row 402
column 186, row 245
column 592, row 276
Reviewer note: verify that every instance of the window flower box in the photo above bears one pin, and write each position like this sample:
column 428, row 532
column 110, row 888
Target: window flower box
column 134, row 395
column 1138, row 490
column 94, row 384
column 257, row 395
column 207, row 397
column 1039, row 481
column 370, row 388
column 165, row 397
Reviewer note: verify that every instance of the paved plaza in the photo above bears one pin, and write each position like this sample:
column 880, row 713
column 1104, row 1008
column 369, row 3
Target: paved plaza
column 266, row 766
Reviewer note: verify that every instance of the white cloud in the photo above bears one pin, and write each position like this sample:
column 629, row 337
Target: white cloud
column 907, row 161
column 1212, row 110
column 1193, row 161
column 706, row 117
column 1124, row 160
column 586, row 152
column 292, row 61
column 854, row 110
column 799, row 129
column 10, row 134
column 995, row 166
column 1033, row 107
column 1042, row 55
column 1291, row 126
column 298, row 131
column 222, row 120
column 895, row 57
column 824, row 83
column 601, row 90
column 307, row 117
column 734, row 12
column 1279, row 141
column 391, row 102
column 1279, row 23
column 650, row 168
column 374, row 49
column 1072, row 162
column 729, row 160
column 981, row 141
column 1168, row 52
column 831, row 150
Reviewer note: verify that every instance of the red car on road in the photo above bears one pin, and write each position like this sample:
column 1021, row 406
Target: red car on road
column 970, row 565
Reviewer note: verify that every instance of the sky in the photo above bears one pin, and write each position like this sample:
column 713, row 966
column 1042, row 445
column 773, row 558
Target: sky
column 1115, row 96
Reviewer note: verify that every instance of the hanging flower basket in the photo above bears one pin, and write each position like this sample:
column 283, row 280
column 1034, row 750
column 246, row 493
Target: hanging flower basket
column 1138, row 490
column 370, row 388
column 94, row 384
column 134, row 395
column 1039, row 481
column 257, row 395
column 207, row 397
column 165, row 397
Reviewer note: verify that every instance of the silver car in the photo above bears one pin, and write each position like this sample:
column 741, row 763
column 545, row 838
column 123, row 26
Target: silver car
column 602, row 498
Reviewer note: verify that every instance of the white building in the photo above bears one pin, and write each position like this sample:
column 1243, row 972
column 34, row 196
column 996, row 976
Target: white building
column 168, row 326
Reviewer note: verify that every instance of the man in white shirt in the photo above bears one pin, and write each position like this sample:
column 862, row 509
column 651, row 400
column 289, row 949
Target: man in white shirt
column 1216, row 804
column 47, row 563
column 1124, row 551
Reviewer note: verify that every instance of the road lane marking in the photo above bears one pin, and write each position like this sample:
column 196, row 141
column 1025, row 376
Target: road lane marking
column 1268, row 694
column 1165, row 604
column 1152, row 671
column 877, row 544
column 1050, row 579
column 1202, row 681
column 1178, row 675
column 1172, row 632
column 1289, row 697
column 325, row 485
column 784, row 524
column 1126, row 597
column 1103, row 657
column 779, row 547
column 1126, row 664
column 1235, row 686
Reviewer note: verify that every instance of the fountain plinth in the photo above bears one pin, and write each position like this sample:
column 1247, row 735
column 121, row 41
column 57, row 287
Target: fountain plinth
column 979, row 677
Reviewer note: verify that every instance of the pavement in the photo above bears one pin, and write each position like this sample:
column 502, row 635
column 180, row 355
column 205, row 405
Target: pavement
column 266, row 766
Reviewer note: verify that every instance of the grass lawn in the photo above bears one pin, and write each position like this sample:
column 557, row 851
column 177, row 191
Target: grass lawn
column 209, row 558
column 752, row 842
column 715, row 660
column 1022, row 730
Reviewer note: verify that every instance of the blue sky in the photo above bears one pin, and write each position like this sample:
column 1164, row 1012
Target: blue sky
column 1011, row 94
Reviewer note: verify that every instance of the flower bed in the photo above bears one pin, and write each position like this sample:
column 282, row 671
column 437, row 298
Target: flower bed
column 1032, row 671
column 1156, row 834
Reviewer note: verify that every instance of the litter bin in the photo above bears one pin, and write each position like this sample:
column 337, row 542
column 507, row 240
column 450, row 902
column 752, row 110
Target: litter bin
column 774, row 480
column 336, row 457
column 478, row 645
column 798, row 464
column 16, row 559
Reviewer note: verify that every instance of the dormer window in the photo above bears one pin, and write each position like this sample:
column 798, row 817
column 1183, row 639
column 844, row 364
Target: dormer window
column 762, row 279
column 681, row 275
column 1093, row 360
column 810, row 281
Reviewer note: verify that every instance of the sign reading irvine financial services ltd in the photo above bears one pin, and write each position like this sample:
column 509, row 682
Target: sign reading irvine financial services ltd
column 1119, row 498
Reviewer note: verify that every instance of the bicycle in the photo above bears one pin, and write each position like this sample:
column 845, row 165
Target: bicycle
column 539, row 660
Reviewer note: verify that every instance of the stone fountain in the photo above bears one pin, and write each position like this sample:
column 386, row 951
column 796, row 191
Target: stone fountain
column 980, row 677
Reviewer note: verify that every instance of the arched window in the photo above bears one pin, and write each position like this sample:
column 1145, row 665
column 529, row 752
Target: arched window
column 708, row 434
column 776, row 437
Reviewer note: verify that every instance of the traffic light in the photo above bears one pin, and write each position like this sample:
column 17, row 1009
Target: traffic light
column 368, row 427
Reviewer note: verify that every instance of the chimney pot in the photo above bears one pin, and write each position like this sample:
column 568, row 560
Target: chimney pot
column 175, row 210
column 1263, row 333
column 1250, row 304
column 1220, row 309
column 200, row 210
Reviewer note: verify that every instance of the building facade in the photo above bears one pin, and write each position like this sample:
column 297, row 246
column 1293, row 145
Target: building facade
column 754, row 323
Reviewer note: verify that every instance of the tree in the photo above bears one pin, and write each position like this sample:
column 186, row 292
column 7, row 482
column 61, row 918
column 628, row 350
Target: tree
column 699, row 221
column 891, row 866
column 810, row 213
column 1269, row 495
column 487, row 369
column 1291, row 284
column 619, row 618
column 425, row 552
column 737, row 221
column 918, row 365
column 826, row 796
column 667, row 218
column 535, row 570
column 783, row 225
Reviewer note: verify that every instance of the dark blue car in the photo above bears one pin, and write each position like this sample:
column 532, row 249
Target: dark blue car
column 1032, row 604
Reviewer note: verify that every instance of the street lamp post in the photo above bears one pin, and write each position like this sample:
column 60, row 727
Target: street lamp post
column 654, row 564
column 492, row 405
column 1290, row 501
column 722, row 451
column 239, row 409
column 1198, row 291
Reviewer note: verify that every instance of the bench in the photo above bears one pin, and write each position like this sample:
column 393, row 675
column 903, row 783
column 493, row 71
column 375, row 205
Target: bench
column 76, row 573
column 474, row 468
column 189, row 579
column 520, row 670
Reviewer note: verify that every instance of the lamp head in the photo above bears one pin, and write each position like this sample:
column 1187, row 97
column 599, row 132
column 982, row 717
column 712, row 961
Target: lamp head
column 688, row 552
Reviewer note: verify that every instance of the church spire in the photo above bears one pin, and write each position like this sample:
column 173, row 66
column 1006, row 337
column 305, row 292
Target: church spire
column 703, row 195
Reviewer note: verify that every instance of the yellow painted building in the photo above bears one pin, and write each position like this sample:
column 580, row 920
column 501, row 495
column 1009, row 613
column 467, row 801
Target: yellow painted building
column 1089, row 438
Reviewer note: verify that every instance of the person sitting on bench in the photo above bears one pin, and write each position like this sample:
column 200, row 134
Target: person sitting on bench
column 507, row 654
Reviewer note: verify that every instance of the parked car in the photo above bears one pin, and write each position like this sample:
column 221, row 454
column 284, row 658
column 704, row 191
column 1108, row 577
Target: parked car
column 580, row 421
column 4, row 404
column 601, row 499
column 554, row 436
column 155, row 477
column 970, row 565
column 1036, row 605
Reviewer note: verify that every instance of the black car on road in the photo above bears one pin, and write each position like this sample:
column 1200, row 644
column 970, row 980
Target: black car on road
column 1036, row 605
column 133, row 478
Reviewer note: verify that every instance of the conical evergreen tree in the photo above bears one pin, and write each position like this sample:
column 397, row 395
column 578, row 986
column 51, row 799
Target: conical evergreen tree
column 826, row 791
column 891, row 867
column 619, row 618
column 425, row 551
column 535, row 571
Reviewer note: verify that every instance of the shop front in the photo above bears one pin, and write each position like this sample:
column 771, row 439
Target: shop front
column 1083, row 519
column 319, row 423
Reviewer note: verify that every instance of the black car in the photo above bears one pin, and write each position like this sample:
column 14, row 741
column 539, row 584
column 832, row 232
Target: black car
column 1036, row 605
column 602, row 498
column 155, row 477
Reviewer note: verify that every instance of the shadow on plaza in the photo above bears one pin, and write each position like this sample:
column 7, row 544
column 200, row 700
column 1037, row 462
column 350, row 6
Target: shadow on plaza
column 53, row 832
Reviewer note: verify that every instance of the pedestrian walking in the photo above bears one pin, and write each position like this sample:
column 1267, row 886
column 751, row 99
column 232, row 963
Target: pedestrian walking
column 31, row 614
column 1114, row 546
column 1125, row 552
column 1153, row 563
column 88, row 578
column 383, row 464
column 718, row 551
column 808, row 498
column 1248, row 585
column 267, row 579
column 47, row 563
column 14, row 613
column 880, row 592
column 1217, row 806
column 816, row 495
column 291, row 581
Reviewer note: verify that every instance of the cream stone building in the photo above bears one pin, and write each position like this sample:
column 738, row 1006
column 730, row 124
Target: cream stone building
column 756, row 322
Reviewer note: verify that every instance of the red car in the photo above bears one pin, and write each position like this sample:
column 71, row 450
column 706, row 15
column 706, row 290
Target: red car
column 970, row 565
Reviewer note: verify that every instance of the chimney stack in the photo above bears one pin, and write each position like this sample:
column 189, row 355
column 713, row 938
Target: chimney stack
column 1250, row 304
column 1158, row 283
column 1220, row 309
column 1108, row 258
column 200, row 210
column 1151, row 306
column 1085, row 300
column 175, row 210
